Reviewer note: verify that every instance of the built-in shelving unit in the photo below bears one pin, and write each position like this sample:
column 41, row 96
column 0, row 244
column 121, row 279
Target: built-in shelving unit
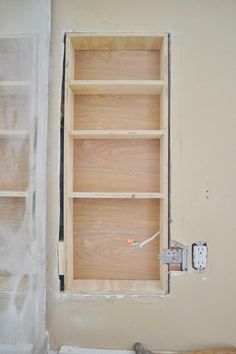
column 115, row 162
column 17, row 121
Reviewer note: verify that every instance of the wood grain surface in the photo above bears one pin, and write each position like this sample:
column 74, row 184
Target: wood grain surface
column 117, row 65
column 101, row 228
column 136, row 112
column 14, row 157
column 116, row 165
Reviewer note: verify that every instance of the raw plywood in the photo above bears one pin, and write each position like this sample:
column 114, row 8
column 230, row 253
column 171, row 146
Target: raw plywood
column 16, row 60
column 101, row 228
column 14, row 111
column 12, row 212
column 136, row 112
column 107, row 41
column 116, row 165
column 117, row 65
column 14, row 164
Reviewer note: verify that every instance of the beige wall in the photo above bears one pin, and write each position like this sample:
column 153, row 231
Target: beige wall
column 200, row 310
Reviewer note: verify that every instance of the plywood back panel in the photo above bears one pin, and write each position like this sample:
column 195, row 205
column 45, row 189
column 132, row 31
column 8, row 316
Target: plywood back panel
column 14, row 167
column 12, row 213
column 106, row 41
column 16, row 59
column 136, row 112
column 14, row 111
column 101, row 228
column 116, row 165
column 117, row 65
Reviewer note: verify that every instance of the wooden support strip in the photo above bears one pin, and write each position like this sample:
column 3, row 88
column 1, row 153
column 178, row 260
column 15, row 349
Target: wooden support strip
column 130, row 195
column 14, row 133
column 109, row 87
column 14, row 194
column 113, row 41
column 117, row 134
column 61, row 253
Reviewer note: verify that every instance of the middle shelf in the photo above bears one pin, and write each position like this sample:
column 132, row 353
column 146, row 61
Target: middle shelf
column 150, row 87
column 116, row 134
column 115, row 195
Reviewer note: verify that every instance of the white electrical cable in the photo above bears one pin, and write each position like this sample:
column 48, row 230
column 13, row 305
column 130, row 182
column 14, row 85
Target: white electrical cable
column 138, row 244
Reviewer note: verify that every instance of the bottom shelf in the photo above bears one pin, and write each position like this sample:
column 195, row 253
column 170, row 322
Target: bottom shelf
column 101, row 228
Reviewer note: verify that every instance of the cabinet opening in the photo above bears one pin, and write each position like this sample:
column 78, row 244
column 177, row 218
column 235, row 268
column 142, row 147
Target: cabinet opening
column 115, row 188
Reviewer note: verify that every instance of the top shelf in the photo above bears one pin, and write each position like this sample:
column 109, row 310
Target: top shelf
column 148, row 87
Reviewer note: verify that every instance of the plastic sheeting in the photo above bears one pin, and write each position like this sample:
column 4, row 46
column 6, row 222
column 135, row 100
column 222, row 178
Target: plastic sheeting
column 23, row 108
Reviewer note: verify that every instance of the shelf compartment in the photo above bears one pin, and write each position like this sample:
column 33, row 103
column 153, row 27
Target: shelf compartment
column 15, row 106
column 100, row 231
column 117, row 134
column 117, row 87
column 113, row 195
column 101, row 112
column 117, row 64
column 16, row 60
column 116, row 165
column 14, row 156
column 12, row 219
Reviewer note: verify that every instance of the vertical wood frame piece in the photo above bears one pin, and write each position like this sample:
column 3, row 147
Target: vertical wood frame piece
column 103, row 74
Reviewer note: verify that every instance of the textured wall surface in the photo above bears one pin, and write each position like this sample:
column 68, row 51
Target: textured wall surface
column 200, row 310
column 24, row 56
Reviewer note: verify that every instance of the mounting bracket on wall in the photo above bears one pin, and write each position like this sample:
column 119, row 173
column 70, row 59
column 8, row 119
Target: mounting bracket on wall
column 177, row 256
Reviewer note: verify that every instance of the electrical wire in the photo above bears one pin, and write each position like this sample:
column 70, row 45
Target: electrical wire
column 138, row 244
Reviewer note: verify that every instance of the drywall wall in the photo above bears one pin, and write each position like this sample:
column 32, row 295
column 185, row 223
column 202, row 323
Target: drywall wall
column 24, row 68
column 200, row 310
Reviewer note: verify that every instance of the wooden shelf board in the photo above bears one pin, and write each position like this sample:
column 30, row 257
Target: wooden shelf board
column 14, row 83
column 117, row 134
column 98, row 286
column 16, row 133
column 14, row 194
column 14, row 87
column 150, row 87
column 116, row 195
column 116, row 41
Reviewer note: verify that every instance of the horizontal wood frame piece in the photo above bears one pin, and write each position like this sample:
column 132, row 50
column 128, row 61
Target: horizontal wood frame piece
column 15, row 194
column 116, row 87
column 14, row 133
column 113, row 195
column 117, row 134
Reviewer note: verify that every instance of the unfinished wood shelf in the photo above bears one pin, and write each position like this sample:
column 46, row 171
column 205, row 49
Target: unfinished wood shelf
column 115, row 163
column 117, row 87
column 114, row 195
column 116, row 134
